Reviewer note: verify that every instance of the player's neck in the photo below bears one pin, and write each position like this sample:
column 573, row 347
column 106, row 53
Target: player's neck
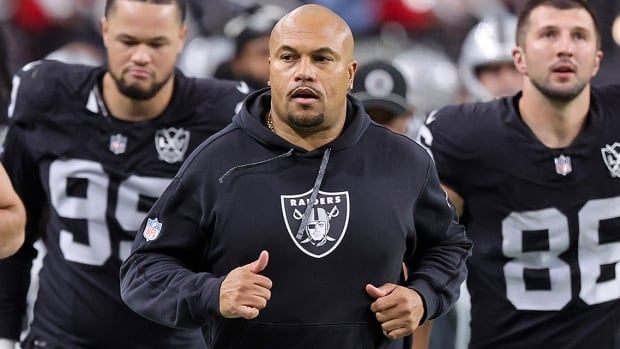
column 125, row 108
column 555, row 124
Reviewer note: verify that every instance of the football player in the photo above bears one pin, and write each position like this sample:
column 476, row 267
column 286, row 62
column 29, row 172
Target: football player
column 91, row 149
column 535, row 177
column 485, row 63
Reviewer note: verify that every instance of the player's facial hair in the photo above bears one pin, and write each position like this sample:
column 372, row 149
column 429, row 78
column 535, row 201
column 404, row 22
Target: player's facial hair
column 558, row 95
column 137, row 93
column 305, row 122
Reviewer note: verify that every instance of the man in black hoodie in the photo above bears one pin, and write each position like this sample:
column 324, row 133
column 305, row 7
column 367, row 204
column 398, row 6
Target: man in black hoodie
column 289, row 228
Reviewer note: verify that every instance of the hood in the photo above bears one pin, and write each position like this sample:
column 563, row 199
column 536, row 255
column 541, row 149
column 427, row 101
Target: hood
column 250, row 118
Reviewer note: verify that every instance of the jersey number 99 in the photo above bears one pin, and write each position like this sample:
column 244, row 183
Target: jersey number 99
column 93, row 206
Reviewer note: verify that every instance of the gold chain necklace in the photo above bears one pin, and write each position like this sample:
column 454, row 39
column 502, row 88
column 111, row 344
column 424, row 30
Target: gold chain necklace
column 269, row 122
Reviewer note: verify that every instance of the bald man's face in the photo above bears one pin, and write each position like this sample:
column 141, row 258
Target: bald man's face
column 311, row 68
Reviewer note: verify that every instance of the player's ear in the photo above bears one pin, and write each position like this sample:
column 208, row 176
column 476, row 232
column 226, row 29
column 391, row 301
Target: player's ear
column 105, row 29
column 352, row 69
column 182, row 37
column 597, row 62
column 518, row 57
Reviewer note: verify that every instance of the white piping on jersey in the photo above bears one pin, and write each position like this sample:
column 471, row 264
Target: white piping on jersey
column 95, row 102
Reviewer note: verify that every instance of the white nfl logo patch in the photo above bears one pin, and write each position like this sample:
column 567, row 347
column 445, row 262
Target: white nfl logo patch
column 563, row 165
column 118, row 144
column 152, row 229
column 327, row 222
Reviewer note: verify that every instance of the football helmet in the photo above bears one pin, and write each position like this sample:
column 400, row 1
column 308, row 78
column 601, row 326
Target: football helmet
column 490, row 42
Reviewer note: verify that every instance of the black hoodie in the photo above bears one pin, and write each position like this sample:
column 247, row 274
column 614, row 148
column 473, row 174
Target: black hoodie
column 376, row 203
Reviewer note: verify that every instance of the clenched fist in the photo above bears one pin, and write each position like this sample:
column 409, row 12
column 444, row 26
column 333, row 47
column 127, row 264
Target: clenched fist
column 399, row 309
column 244, row 292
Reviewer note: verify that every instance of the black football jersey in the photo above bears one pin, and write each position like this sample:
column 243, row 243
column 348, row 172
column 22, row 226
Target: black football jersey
column 545, row 223
column 93, row 177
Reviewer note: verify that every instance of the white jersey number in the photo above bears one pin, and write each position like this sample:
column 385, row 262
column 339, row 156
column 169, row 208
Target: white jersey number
column 591, row 256
column 92, row 208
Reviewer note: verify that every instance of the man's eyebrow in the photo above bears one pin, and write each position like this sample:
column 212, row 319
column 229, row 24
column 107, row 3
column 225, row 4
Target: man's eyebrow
column 286, row 48
column 558, row 27
column 581, row 29
column 326, row 50
column 321, row 50
column 123, row 36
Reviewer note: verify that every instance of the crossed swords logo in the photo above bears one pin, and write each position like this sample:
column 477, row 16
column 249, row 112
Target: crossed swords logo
column 171, row 144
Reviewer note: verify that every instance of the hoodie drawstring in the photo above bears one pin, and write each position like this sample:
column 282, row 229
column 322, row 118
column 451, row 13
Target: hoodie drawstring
column 315, row 188
column 252, row 164
column 315, row 193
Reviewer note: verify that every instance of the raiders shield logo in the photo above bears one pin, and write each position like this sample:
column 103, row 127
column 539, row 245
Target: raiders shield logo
column 611, row 157
column 327, row 223
column 171, row 144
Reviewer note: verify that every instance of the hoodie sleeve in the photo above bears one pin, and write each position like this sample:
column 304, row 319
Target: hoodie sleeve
column 160, row 279
column 437, row 265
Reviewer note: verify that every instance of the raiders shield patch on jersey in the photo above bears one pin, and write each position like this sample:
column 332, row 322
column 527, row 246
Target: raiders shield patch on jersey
column 327, row 222
column 171, row 144
column 611, row 157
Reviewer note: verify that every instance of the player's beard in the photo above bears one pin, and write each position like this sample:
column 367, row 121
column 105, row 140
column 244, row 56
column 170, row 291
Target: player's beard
column 134, row 91
column 559, row 95
column 304, row 122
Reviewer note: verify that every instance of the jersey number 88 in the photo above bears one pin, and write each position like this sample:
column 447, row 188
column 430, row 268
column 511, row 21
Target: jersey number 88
column 591, row 255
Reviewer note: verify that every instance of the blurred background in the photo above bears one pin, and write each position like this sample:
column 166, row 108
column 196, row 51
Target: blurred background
column 423, row 37
column 448, row 51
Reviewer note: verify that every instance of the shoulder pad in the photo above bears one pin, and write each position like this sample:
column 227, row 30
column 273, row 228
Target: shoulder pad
column 33, row 88
column 220, row 95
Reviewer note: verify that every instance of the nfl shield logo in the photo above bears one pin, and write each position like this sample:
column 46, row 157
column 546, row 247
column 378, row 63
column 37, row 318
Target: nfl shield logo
column 611, row 157
column 326, row 225
column 118, row 144
column 171, row 144
column 563, row 165
column 152, row 229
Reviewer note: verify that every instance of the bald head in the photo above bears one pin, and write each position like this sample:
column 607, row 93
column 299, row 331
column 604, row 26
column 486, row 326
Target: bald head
column 318, row 21
column 311, row 70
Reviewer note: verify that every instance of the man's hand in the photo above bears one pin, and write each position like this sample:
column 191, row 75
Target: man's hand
column 244, row 292
column 397, row 308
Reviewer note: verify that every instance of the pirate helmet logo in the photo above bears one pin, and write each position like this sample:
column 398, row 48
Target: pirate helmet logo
column 318, row 225
column 326, row 224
